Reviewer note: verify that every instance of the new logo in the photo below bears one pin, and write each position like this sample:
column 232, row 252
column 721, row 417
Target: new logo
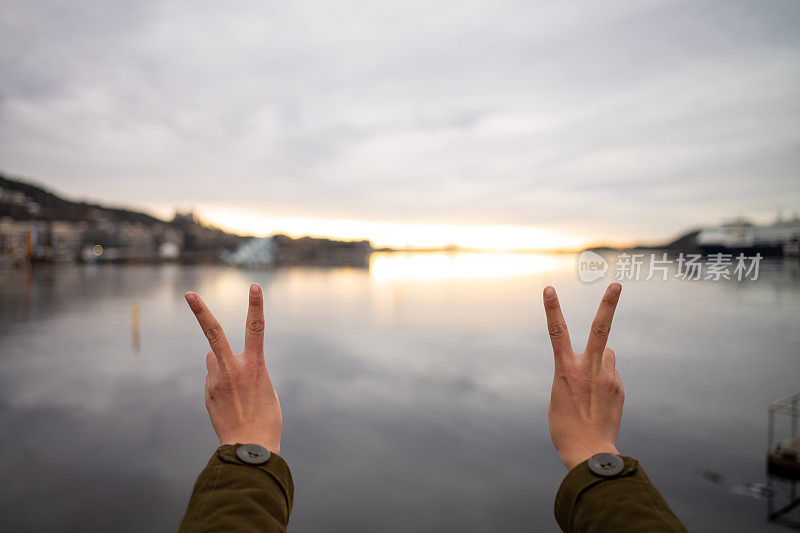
column 591, row 266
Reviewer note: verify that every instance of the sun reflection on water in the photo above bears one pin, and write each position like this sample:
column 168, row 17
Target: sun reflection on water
column 464, row 265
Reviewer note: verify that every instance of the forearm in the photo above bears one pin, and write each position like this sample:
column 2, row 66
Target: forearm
column 231, row 495
column 627, row 502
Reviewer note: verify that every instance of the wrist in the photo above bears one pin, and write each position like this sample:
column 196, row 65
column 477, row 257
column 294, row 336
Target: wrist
column 271, row 444
column 575, row 456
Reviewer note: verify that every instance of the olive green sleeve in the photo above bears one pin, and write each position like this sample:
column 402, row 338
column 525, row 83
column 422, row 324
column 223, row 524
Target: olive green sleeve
column 627, row 502
column 231, row 495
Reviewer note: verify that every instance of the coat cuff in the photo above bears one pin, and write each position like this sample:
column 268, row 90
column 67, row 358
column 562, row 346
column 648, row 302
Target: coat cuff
column 275, row 467
column 579, row 480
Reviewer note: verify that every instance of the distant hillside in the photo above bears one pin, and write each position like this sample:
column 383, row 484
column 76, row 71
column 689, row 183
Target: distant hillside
column 52, row 207
column 686, row 243
column 23, row 201
column 139, row 235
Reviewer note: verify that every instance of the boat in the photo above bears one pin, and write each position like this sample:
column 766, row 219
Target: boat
column 784, row 459
column 781, row 238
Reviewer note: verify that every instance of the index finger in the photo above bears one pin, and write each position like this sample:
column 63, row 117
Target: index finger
column 556, row 326
column 211, row 328
column 601, row 326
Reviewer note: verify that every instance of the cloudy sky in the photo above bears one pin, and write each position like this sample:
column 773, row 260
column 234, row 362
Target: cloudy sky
column 411, row 121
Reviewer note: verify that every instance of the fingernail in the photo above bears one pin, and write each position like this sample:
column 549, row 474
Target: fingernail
column 549, row 292
column 616, row 288
column 191, row 298
column 255, row 290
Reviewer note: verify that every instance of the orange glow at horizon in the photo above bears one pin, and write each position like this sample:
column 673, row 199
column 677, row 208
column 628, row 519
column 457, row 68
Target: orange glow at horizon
column 393, row 234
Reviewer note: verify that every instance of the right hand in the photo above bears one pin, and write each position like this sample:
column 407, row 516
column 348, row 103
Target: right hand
column 585, row 408
column 241, row 402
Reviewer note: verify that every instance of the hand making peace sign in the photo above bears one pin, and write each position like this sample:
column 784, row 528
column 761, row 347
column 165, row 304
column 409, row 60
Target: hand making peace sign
column 241, row 402
column 585, row 408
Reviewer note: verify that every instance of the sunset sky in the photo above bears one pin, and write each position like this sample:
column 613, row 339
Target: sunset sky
column 513, row 124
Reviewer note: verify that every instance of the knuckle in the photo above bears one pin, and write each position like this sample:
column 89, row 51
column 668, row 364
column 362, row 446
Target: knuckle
column 223, row 385
column 250, row 372
column 557, row 331
column 255, row 326
column 600, row 329
column 214, row 333
column 567, row 373
column 231, row 376
column 617, row 385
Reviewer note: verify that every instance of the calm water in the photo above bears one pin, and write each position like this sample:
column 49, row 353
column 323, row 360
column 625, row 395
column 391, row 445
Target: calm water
column 414, row 393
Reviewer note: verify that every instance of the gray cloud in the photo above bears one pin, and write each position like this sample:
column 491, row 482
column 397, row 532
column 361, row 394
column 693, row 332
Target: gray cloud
column 629, row 121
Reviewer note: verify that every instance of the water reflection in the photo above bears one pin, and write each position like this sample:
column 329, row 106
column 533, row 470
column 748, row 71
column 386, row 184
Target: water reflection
column 418, row 384
column 441, row 265
column 136, row 341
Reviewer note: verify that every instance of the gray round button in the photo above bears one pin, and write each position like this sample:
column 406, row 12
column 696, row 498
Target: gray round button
column 253, row 454
column 606, row 464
